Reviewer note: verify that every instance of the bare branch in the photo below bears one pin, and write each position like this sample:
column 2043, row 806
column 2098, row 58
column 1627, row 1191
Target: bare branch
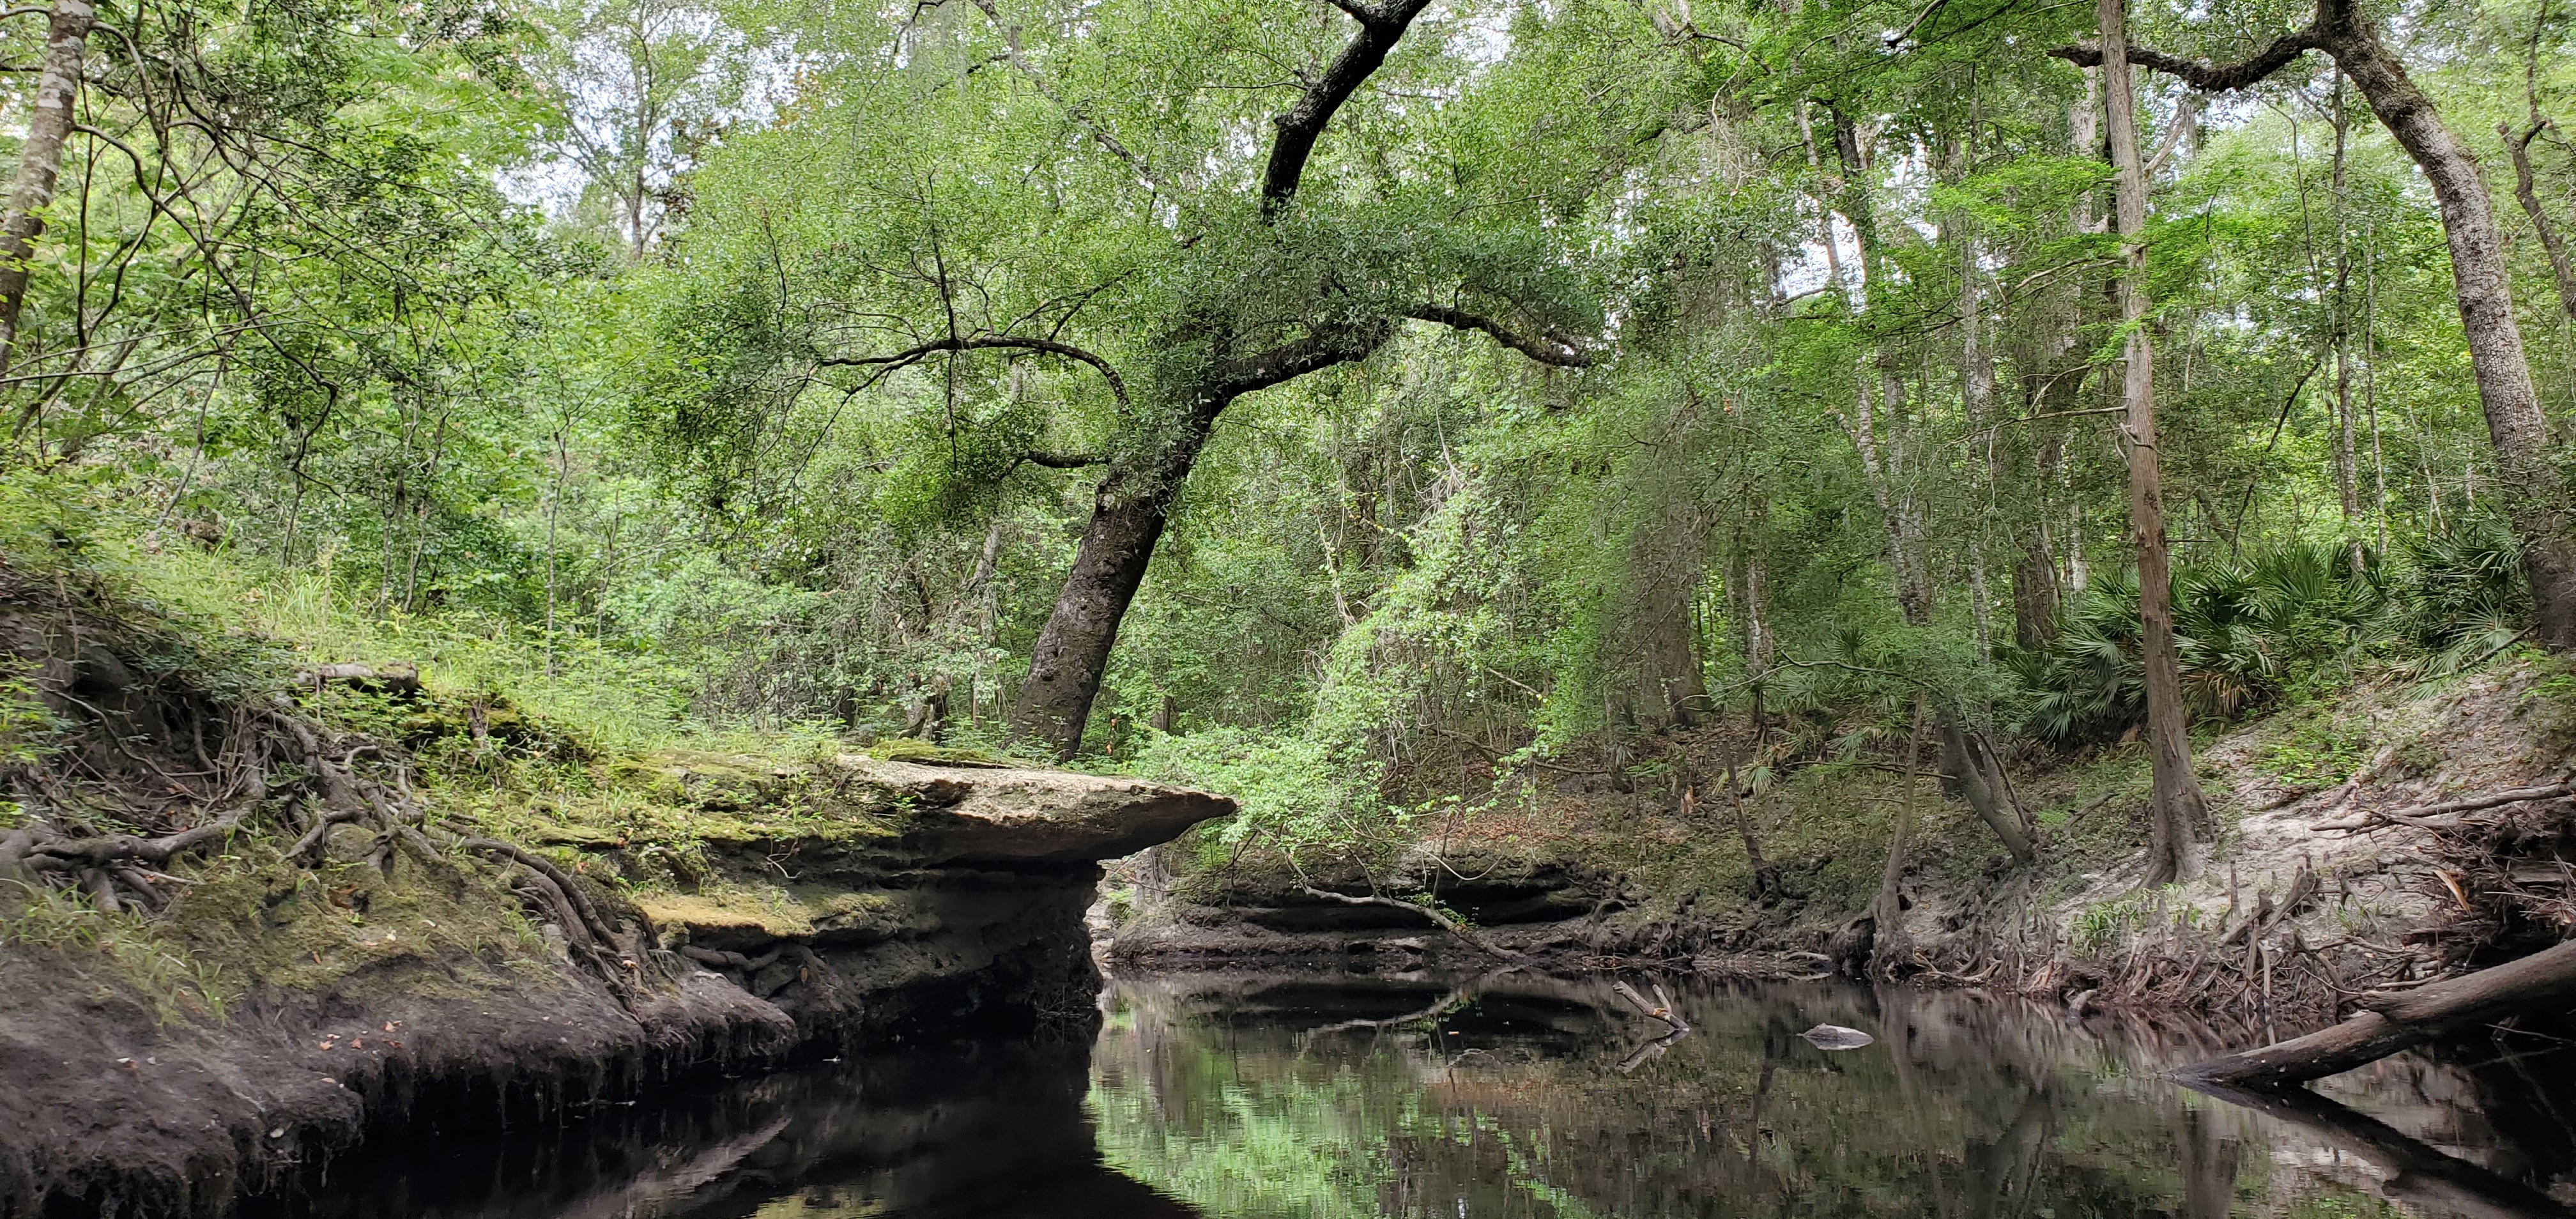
column 1548, row 350
column 2202, row 75
column 914, row 355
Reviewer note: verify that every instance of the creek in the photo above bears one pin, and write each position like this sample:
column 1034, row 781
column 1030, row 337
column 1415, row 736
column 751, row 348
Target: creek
column 1248, row 1096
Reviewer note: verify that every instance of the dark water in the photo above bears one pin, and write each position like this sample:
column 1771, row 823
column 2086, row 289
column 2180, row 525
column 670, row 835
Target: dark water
column 1247, row 1096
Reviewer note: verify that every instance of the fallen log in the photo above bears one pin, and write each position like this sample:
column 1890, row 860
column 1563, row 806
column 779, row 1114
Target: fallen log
column 2421, row 816
column 1462, row 931
column 2390, row 1022
column 395, row 678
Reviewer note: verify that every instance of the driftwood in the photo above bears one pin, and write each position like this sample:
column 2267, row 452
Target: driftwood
column 1660, row 1008
column 1650, row 1051
column 2422, row 816
column 2390, row 1022
column 1465, row 934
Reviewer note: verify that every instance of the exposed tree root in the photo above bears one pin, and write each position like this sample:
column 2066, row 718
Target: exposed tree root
column 2392, row 1022
column 156, row 771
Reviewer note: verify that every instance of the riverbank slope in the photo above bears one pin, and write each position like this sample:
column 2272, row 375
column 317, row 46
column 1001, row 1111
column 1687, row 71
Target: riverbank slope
column 2313, row 882
column 254, row 915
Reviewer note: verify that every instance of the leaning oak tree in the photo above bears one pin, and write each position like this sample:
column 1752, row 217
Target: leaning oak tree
column 2535, row 493
column 1015, row 237
column 1304, row 297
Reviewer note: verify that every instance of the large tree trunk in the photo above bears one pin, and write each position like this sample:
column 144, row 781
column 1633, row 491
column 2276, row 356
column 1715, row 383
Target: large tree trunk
column 1127, row 518
column 2177, row 804
column 40, row 160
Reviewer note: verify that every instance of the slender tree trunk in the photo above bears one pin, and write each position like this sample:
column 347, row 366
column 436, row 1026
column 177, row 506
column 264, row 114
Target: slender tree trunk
column 2526, row 192
column 1976, row 392
column 1766, row 879
column 1888, row 945
column 40, row 161
column 2536, row 499
column 2347, row 450
column 2177, row 804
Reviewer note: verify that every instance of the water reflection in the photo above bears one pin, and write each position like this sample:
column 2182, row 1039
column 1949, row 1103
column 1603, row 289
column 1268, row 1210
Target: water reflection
column 973, row 1129
column 1253, row 1097
column 1530, row 1097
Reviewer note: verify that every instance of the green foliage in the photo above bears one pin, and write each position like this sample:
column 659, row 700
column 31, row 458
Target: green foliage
column 2247, row 634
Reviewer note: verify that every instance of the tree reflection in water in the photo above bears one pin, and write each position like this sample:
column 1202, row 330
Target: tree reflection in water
column 1244, row 1097
column 1253, row 1097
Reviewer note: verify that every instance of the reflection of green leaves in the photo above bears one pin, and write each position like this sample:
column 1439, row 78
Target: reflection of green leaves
column 1253, row 1116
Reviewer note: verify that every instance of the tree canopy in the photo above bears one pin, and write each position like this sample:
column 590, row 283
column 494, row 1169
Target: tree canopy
column 1304, row 396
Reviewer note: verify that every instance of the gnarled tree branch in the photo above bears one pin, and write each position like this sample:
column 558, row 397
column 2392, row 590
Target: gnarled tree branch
column 1547, row 350
column 2203, row 75
column 914, row 355
column 1381, row 26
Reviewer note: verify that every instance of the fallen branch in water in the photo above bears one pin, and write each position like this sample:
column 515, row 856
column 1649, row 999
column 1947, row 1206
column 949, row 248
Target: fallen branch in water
column 1462, row 931
column 2416, row 1172
column 1661, row 1009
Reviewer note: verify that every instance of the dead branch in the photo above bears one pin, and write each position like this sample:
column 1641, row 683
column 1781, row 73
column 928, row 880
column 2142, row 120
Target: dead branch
column 2421, row 816
column 1462, row 931
column 1660, row 1009
column 396, row 678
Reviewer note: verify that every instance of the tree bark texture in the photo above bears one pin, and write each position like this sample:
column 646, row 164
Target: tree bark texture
column 40, row 160
column 2177, row 804
column 1966, row 768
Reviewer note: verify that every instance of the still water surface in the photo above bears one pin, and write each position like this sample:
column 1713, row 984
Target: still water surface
column 1251, row 1097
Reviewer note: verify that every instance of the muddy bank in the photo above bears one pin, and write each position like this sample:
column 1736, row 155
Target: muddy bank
column 2320, row 877
column 921, row 902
